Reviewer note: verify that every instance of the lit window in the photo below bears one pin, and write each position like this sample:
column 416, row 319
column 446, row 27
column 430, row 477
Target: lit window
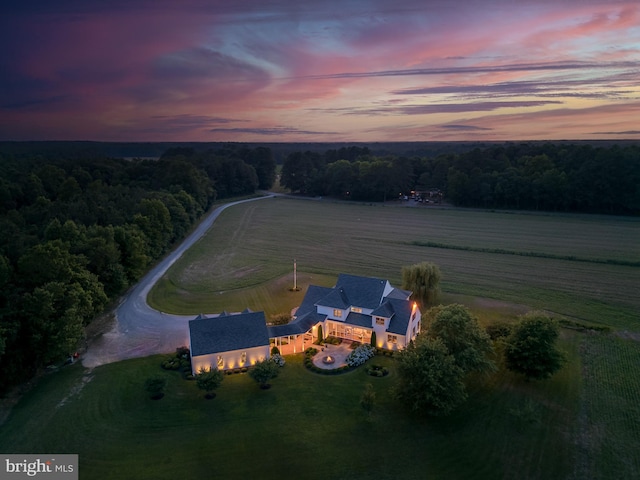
column 379, row 321
column 337, row 313
column 243, row 358
column 392, row 339
column 356, row 309
column 220, row 362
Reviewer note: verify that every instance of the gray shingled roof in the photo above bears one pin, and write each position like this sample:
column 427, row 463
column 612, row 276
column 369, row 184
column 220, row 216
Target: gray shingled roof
column 400, row 321
column 385, row 310
column 313, row 295
column 227, row 332
column 359, row 320
column 302, row 324
column 399, row 293
column 335, row 299
column 365, row 292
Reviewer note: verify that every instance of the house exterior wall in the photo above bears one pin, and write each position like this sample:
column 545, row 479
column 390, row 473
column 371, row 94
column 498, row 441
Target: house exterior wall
column 232, row 358
column 328, row 311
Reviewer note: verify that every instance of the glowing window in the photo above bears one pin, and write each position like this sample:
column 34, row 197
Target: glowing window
column 337, row 313
column 356, row 309
column 392, row 339
column 379, row 321
column 220, row 362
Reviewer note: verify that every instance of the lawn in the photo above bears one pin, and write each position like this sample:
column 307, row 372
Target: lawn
column 579, row 266
column 582, row 423
column 306, row 425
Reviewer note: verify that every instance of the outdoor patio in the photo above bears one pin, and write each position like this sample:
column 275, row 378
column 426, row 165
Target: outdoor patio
column 338, row 353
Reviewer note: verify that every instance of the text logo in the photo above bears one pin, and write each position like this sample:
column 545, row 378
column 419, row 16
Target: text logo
column 49, row 467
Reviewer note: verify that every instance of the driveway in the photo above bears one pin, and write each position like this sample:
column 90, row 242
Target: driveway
column 139, row 330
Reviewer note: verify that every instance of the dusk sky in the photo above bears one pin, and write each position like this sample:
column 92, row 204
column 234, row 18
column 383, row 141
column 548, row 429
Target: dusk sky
column 300, row 71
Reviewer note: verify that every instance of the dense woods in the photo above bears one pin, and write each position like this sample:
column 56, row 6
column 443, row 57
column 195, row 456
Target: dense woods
column 76, row 232
column 554, row 177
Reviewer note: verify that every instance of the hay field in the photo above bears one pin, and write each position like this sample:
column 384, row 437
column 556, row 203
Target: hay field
column 583, row 267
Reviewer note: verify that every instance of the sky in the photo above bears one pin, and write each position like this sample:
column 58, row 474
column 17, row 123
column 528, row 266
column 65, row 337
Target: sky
column 321, row 71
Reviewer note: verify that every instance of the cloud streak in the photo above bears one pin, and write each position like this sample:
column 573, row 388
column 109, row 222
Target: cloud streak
column 375, row 70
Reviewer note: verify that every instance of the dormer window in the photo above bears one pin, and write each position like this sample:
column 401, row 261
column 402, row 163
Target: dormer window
column 337, row 313
column 379, row 321
column 356, row 309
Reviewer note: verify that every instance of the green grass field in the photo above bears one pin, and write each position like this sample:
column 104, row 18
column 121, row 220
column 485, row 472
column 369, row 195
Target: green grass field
column 247, row 257
column 306, row 425
column 582, row 423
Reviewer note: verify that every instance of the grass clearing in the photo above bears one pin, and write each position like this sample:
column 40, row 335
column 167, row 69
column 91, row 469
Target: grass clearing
column 306, row 423
column 252, row 246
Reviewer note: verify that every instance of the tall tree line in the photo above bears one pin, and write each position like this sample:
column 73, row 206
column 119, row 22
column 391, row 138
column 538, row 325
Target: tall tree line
column 553, row 177
column 76, row 232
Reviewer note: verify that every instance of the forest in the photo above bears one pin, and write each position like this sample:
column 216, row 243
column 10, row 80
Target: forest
column 78, row 227
column 530, row 176
column 76, row 232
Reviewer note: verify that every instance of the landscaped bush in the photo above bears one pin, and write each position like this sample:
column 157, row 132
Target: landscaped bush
column 182, row 352
column 171, row 363
column 275, row 350
column 377, row 371
column 332, row 341
column 354, row 345
column 310, row 352
column 360, row 355
column 278, row 359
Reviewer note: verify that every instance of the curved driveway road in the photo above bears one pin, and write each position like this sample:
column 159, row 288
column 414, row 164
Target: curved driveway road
column 139, row 330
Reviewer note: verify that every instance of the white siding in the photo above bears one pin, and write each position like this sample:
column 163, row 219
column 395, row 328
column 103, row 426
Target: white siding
column 232, row 358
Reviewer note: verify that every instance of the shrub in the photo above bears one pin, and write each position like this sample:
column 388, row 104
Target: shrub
column 373, row 339
column 275, row 350
column 498, row 330
column 354, row 345
column 360, row 355
column 377, row 371
column 278, row 360
column 264, row 371
column 155, row 386
column 182, row 352
column 171, row 363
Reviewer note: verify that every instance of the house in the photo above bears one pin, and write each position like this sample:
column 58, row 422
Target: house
column 354, row 309
column 228, row 341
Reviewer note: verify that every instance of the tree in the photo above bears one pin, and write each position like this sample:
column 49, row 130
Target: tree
column 430, row 382
column 374, row 340
column 209, row 380
column 531, row 347
column 423, row 279
column 460, row 332
column 155, row 386
column 264, row 371
column 368, row 398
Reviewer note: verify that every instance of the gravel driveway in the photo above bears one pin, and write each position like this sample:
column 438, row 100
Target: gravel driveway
column 139, row 330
